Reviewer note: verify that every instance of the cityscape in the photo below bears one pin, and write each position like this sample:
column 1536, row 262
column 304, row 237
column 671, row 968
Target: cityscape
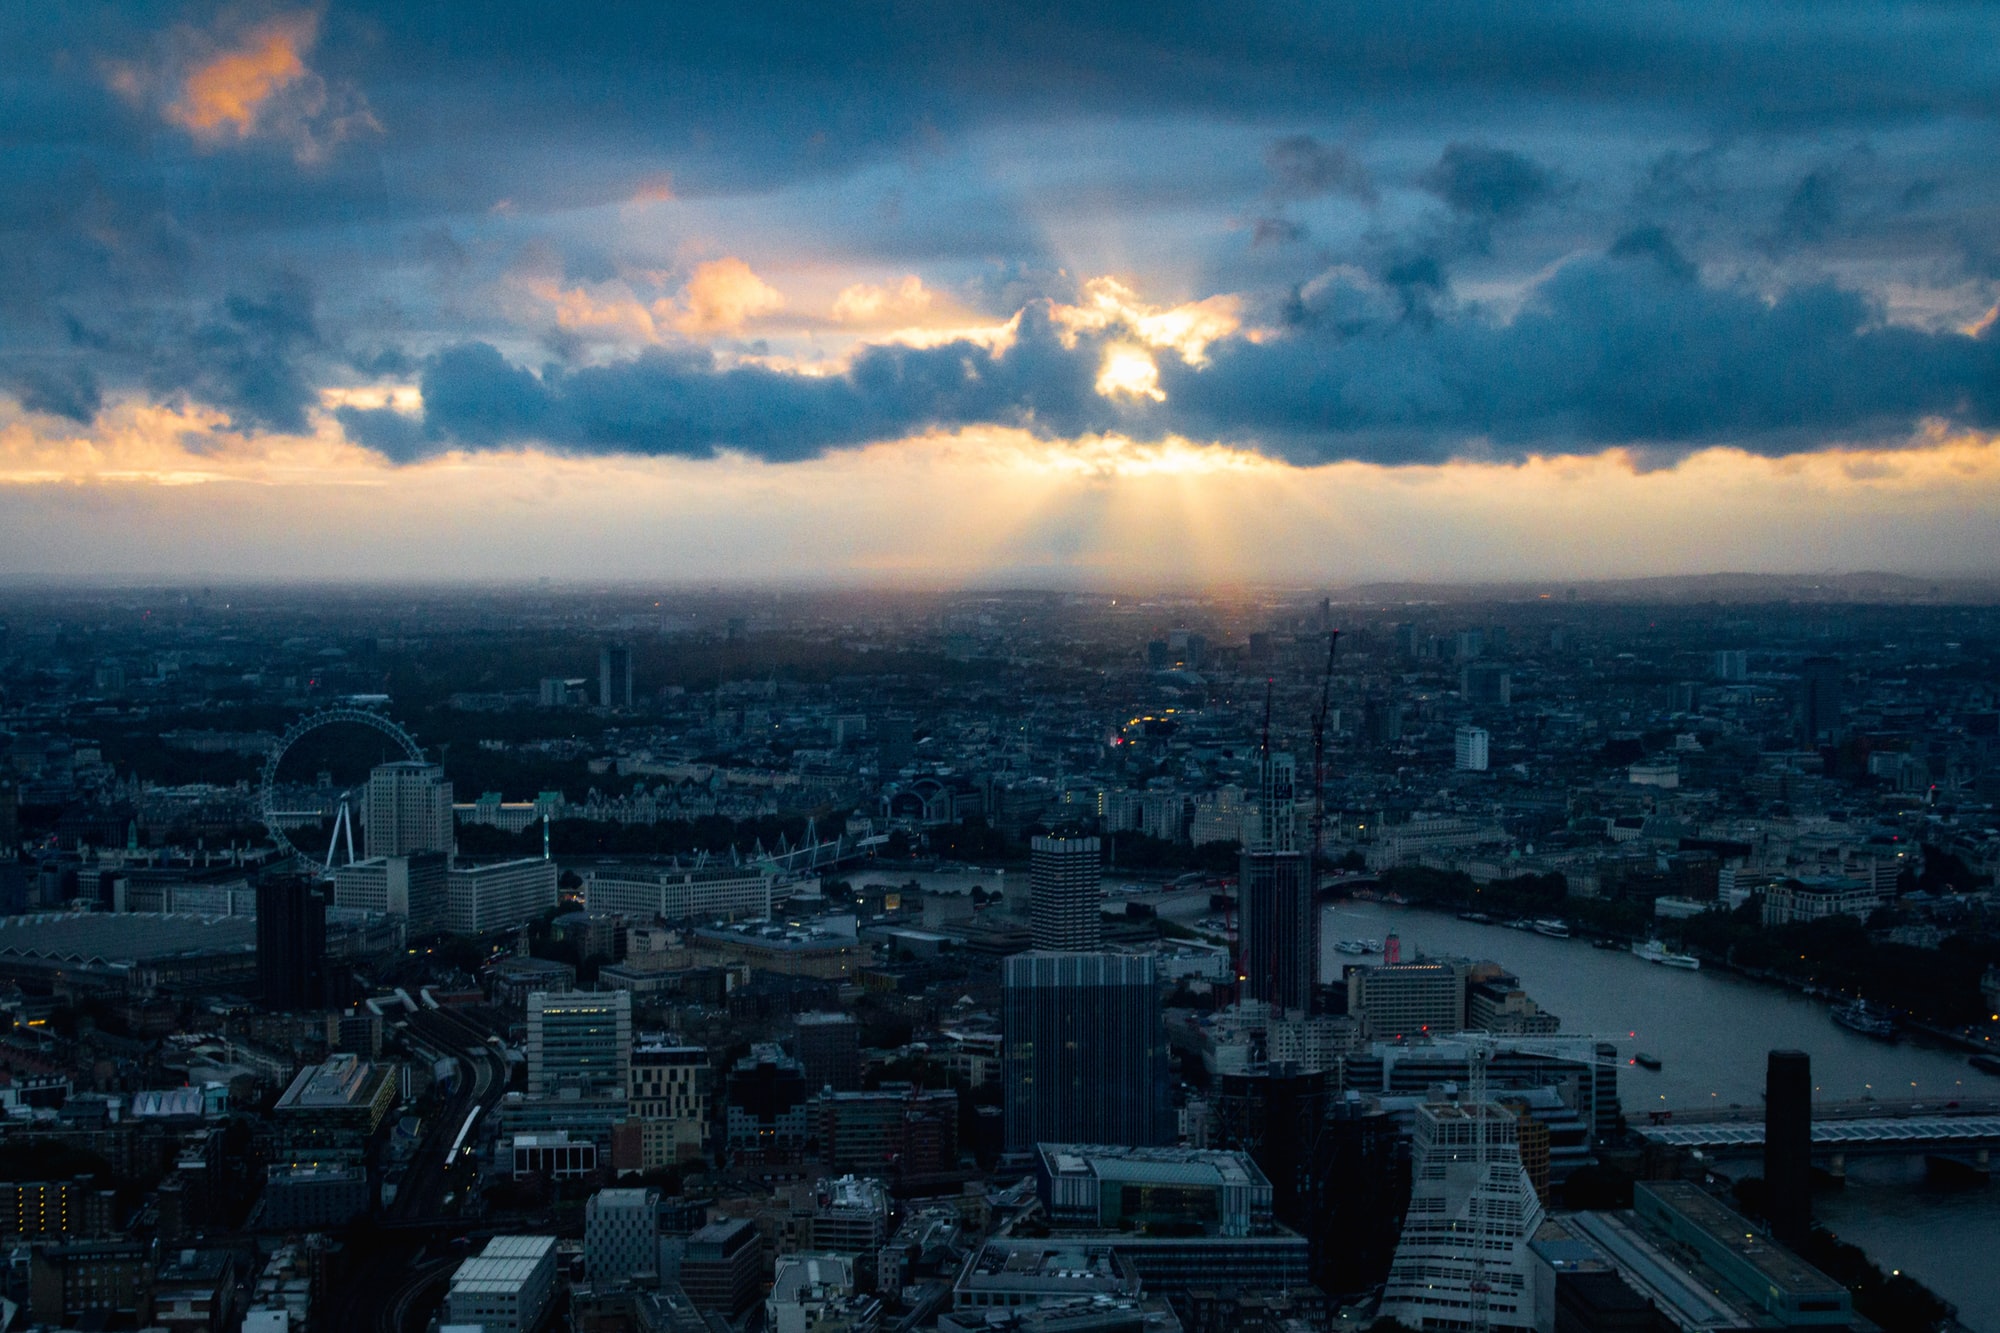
column 406, row 958
column 866, row 667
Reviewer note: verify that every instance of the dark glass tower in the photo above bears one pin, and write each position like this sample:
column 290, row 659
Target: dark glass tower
column 1819, row 700
column 1280, row 932
column 1788, row 1146
column 1083, row 1052
column 614, row 676
column 291, row 943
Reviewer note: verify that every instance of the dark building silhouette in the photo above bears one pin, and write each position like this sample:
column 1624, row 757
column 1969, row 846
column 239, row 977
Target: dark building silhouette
column 828, row 1046
column 291, row 943
column 1280, row 963
column 1597, row 1301
column 1280, row 929
column 1819, row 700
column 1338, row 1168
column 1788, row 1146
column 1083, row 1054
column 614, row 676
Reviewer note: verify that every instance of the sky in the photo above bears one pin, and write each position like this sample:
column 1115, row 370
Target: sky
column 923, row 294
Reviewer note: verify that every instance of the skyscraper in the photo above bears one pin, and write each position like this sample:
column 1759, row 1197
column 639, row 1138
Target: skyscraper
column 1463, row 1259
column 1470, row 749
column 1064, row 895
column 1819, row 700
column 614, row 676
column 1083, row 1053
column 1280, row 936
column 407, row 809
column 291, row 943
column 1788, row 1146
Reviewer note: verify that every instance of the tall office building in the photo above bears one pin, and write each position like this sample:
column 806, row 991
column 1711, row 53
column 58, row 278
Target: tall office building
column 1463, row 1258
column 1470, row 750
column 1064, row 894
column 407, row 809
column 614, row 676
column 1280, row 934
column 828, row 1046
column 1788, row 1146
column 1083, row 1055
column 1819, row 700
column 579, row 1040
column 291, row 943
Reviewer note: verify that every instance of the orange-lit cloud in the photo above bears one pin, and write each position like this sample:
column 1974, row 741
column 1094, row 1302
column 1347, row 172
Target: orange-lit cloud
column 1188, row 329
column 723, row 296
column 222, row 98
column 866, row 303
column 251, row 84
column 609, row 311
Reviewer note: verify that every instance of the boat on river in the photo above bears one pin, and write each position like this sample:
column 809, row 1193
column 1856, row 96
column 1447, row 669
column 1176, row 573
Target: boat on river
column 1355, row 948
column 1655, row 952
column 1553, row 927
column 1863, row 1017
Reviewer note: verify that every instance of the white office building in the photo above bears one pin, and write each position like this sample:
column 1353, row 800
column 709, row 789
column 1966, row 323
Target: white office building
column 412, row 887
column 1470, row 750
column 1065, row 895
column 407, row 809
column 499, row 896
column 1463, row 1259
column 506, row 1287
column 579, row 1040
column 716, row 893
column 621, row 1237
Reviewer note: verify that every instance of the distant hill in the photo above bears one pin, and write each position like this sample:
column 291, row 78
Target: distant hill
column 1861, row 587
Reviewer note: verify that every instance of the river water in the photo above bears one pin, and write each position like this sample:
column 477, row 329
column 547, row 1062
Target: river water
column 1712, row 1031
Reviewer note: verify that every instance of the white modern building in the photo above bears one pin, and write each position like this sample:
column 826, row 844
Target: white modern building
column 1463, row 1259
column 499, row 896
column 579, row 1041
column 1470, row 747
column 717, row 893
column 413, row 887
column 506, row 1287
column 407, row 809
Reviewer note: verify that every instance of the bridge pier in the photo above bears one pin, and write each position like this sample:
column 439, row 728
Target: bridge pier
column 1944, row 1170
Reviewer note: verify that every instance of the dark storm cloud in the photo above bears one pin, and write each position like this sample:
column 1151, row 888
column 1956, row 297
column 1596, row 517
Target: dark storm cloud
column 1302, row 167
column 682, row 402
column 1488, row 184
column 1624, row 350
column 125, row 244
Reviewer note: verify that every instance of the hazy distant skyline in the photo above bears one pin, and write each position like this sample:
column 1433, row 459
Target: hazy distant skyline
column 921, row 295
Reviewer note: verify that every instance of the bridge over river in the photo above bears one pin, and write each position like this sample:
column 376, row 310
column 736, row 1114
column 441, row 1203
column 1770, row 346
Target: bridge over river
column 1967, row 1130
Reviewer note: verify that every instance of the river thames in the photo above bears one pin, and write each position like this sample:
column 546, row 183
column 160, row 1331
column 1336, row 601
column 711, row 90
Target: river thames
column 1711, row 1031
